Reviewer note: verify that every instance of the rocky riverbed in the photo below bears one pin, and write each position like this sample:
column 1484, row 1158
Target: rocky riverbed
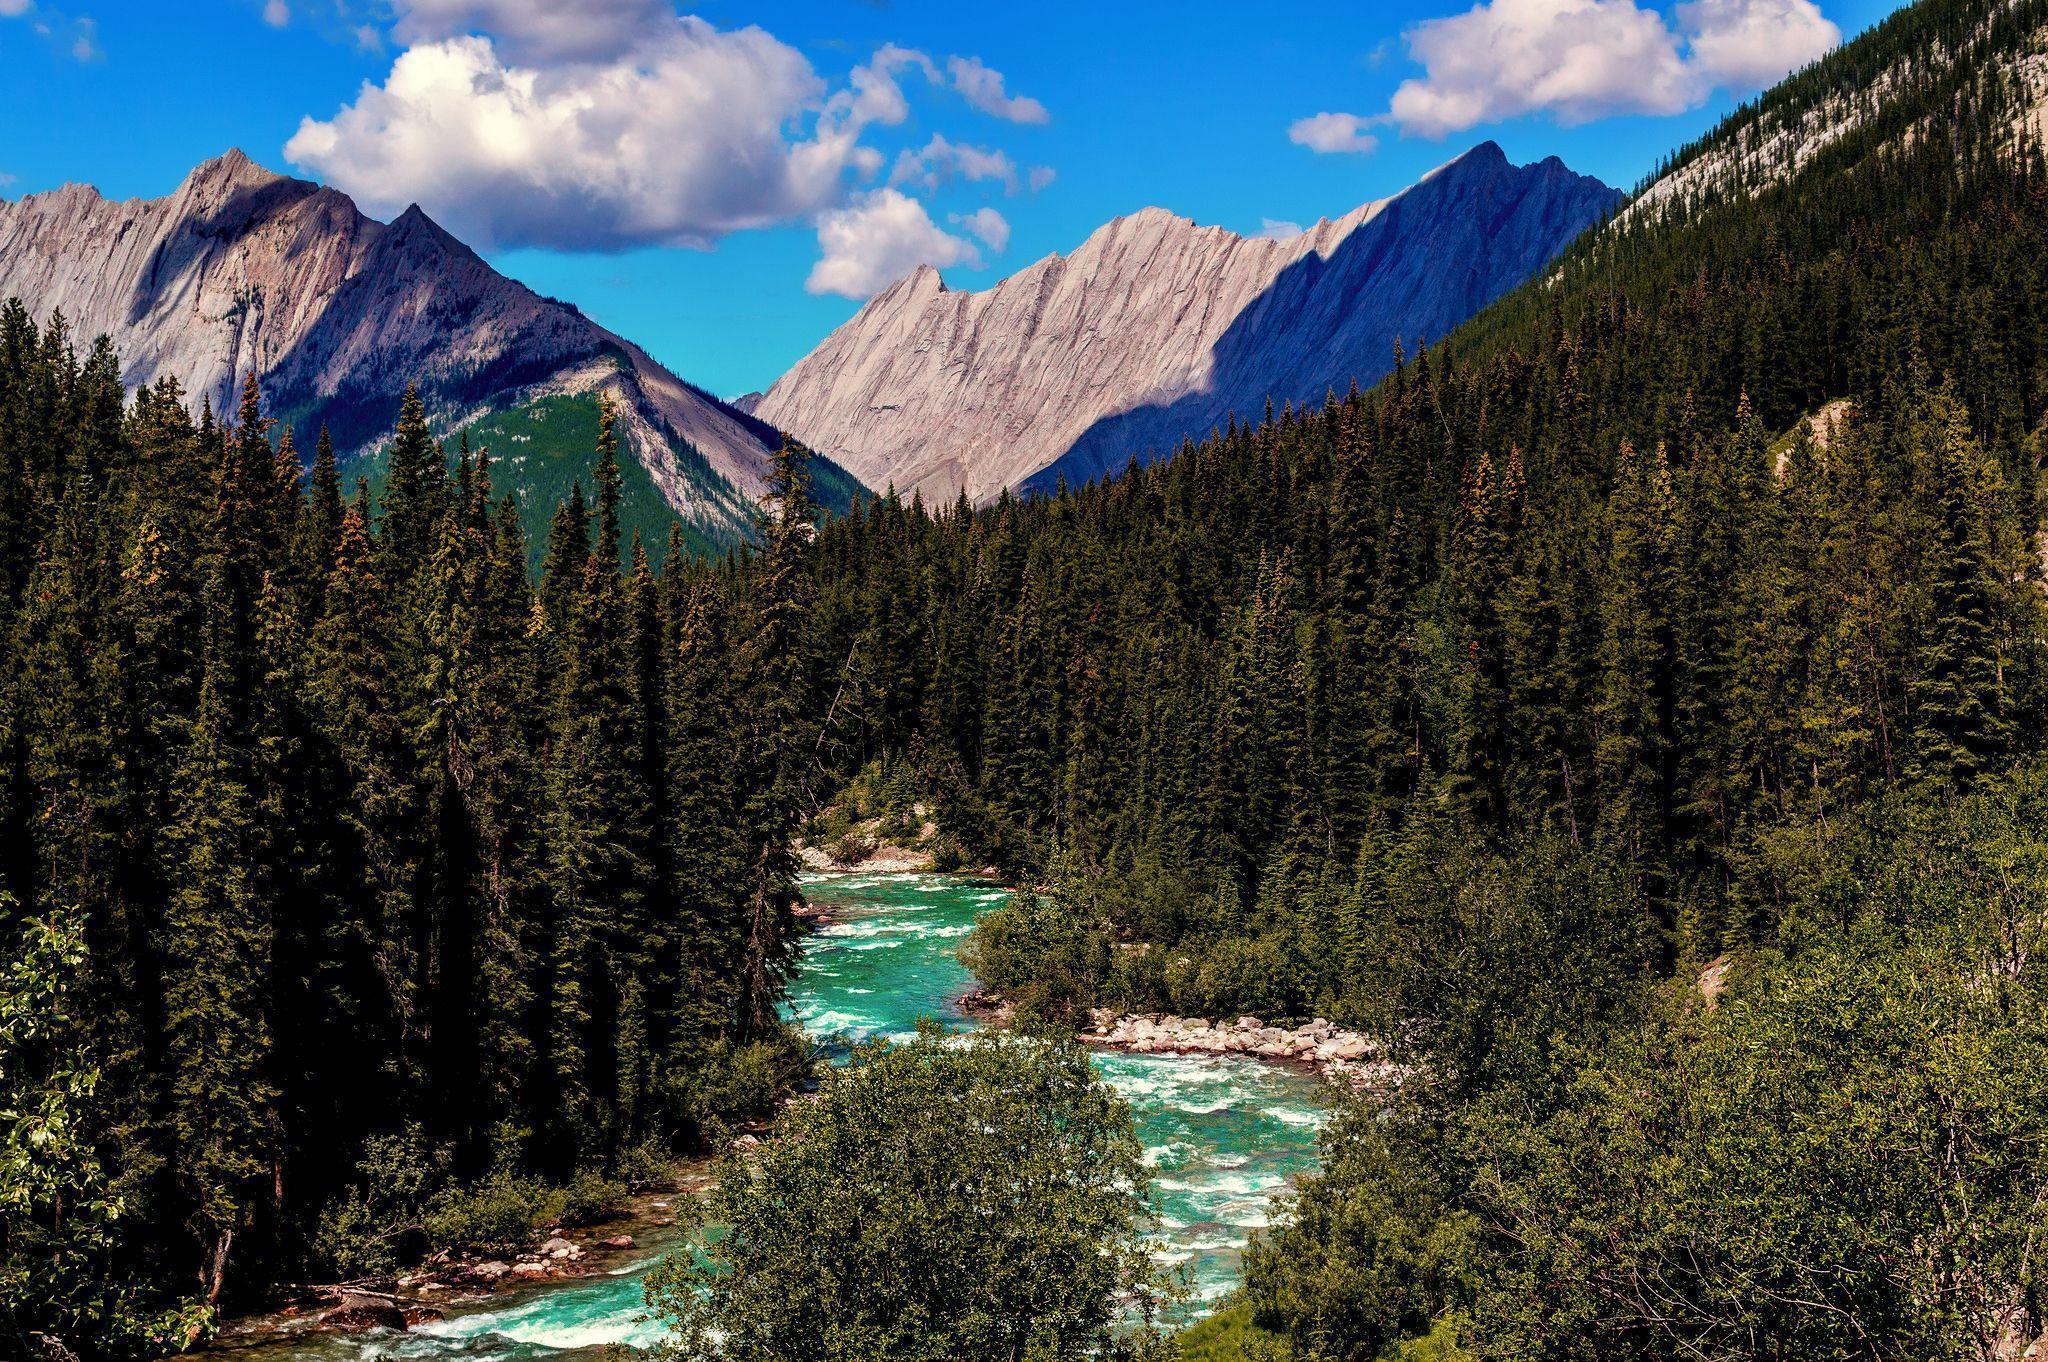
column 449, row 1282
column 1345, row 1056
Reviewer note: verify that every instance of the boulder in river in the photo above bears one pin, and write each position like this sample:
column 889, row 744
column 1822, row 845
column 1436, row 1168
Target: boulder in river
column 358, row 1311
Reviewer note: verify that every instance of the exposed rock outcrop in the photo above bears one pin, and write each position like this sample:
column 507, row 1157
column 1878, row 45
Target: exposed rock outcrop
column 243, row 270
column 1157, row 329
column 1331, row 1050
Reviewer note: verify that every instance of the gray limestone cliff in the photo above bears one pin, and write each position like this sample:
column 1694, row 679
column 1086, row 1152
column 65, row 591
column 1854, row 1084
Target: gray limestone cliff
column 1156, row 329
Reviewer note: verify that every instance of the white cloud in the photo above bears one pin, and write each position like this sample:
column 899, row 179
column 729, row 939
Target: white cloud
column 1275, row 229
column 276, row 13
column 1041, row 177
column 1748, row 44
column 79, row 36
column 876, row 240
column 532, row 31
column 940, row 161
column 982, row 87
column 1333, row 132
column 1581, row 60
column 987, row 226
column 680, row 142
column 874, row 94
column 619, row 123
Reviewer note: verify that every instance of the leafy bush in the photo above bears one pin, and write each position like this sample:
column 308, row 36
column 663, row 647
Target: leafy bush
column 379, row 1223
column 591, row 1198
column 1843, row 1156
column 734, row 1085
column 947, row 853
column 64, row 1230
column 1041, row 951
column 851, row 848
column 960, row 1202
column 499, row 1215
column 1376, row 1252
column 647, row 1164
column 1230, row 1336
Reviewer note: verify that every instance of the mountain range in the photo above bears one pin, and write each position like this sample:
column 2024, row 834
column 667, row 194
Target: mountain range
column 1154, row 330
column 1157, row 330
column 241, row 270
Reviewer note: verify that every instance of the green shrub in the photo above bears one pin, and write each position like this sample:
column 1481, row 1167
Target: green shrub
column 1230, row 1336
column 378, row 1224
column 1041, row 951
column 733, row 1085
column 851, row 848
column 499, row 1215
column 947, row 853
column 956, row 1199
column 647, row 1164
column 591, row 1198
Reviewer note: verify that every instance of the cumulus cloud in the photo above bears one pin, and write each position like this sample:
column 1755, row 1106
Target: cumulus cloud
column 940, row 161
column 1333, row 132
column 982, row 87
column 1276, row 229
column 679, row 143
column 877, row 239
column 538, row 31
column 14, row 9
column 987, row 226
column 620, row 123
column 1580, row 60
column 1748, row 44
column 276, row 13
column 615, row 124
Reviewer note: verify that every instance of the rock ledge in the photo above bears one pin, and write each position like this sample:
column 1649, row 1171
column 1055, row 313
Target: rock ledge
column 1346, row 1056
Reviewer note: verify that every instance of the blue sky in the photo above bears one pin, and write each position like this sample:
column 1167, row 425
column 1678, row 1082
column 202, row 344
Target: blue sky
column 723, row 183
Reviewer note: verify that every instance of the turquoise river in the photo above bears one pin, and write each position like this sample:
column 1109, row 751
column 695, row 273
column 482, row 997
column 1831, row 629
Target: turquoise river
column 1223, row 1135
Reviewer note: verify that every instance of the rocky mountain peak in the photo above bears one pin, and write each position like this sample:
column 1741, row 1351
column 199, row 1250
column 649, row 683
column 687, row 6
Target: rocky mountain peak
column 1156, row 328
column 230, row 174
column 241, row 269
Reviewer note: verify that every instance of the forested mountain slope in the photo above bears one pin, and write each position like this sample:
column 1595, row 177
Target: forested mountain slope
column 1488, row 707
column 1658, row 773
column 1156, row 330
column 242, row 271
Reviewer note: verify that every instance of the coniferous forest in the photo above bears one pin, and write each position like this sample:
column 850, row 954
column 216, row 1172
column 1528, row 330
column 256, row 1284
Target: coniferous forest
column 372, row 845
column 1632, row 710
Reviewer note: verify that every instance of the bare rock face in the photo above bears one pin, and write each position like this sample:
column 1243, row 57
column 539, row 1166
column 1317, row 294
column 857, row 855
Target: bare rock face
column 1157, row 329
column 243, row 270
